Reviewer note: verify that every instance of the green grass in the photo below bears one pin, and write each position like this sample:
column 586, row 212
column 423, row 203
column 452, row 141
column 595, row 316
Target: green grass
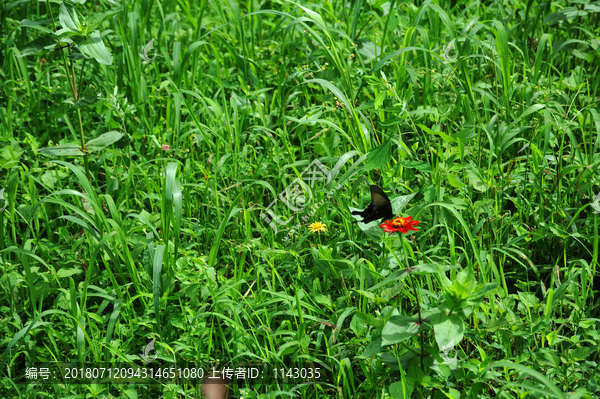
column 479, row 120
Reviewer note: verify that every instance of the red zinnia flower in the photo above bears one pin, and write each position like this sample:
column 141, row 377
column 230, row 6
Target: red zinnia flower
column 399, row 224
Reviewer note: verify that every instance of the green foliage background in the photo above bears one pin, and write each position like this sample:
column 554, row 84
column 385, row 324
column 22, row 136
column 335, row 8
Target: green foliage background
column 161, row 191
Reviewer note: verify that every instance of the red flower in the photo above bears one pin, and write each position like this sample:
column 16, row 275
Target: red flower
column 399, row 224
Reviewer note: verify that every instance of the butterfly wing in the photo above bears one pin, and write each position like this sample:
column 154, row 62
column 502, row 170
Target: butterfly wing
column 379, row 208
column 382, row 207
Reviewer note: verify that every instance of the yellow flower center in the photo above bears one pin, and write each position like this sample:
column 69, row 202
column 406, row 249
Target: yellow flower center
column 399, row 223
column 317, row 227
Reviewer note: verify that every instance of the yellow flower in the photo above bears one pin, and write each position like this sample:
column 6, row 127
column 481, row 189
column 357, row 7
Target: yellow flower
column 317, row 227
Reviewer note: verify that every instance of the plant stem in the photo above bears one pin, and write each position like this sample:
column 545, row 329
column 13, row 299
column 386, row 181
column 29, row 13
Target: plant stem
column 412, row 283
column 81, row 134
column 70, row 75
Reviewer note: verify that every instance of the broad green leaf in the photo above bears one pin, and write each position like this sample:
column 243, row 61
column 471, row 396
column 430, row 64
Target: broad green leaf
column 421, row 166
column 429, row 193
column 67, row 272
column 465, row 135
column 572, row 83
column 371, row 229
column 68, row 18
column 401, row 390
column 398, row 329
column 372, row 349
column 583, row 323
column 37, row 24
column 39, row 46
column 448, row 329
column 323, row 300
column 476, row 179
column 595, row 7
column 62, row 150
column 551, row 337
column 64, row 35
column 356, row 326
column 379, row 156
column 103, row 141
column 456, row 294
column 371, row 320
column 476, row 297
column 495, row 324
column 379, row 99
column 455, row 181
column 426, row 268
column 96, row 19
column 545, row 358
column 399, row 202
column 94, row 48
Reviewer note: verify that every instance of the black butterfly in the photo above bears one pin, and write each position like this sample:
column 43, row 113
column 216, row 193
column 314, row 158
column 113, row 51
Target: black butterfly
column 379, row 208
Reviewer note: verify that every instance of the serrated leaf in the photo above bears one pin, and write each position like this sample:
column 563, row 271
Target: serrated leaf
column 96, row 19
column 476, row 179
column 39, row 46
column 429, row 193
column 62, row 150
column 455, row 181
column 68, row 18
column 380, row 99
column 94, row 48
column 103, row 141
column 379, row 156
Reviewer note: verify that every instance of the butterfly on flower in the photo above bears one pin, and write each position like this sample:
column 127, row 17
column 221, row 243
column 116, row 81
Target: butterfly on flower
column 379, row 208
